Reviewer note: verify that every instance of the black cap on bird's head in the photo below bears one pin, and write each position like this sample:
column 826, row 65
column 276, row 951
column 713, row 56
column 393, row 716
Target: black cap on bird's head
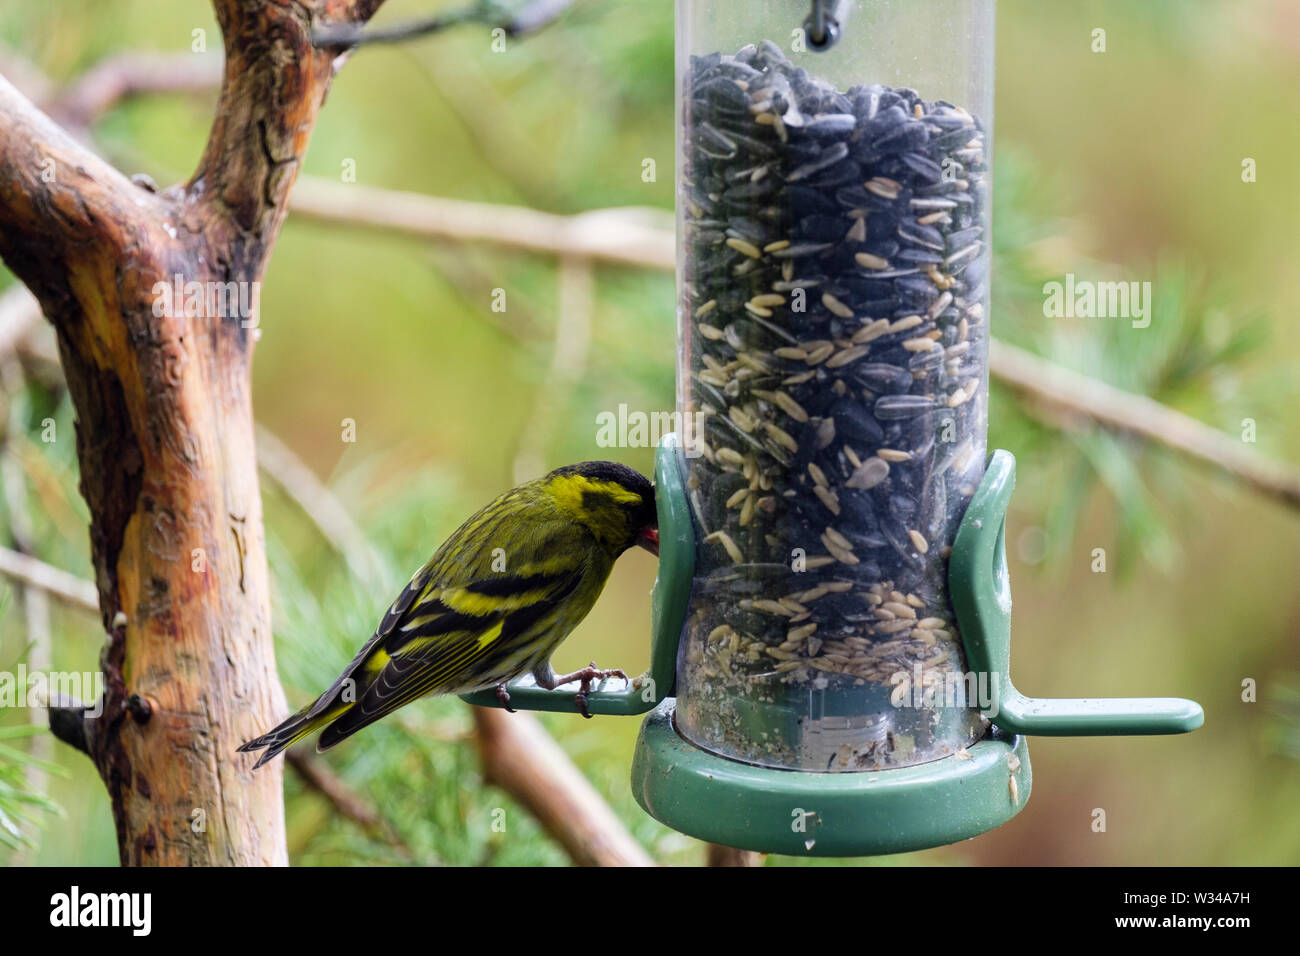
column 616, row 502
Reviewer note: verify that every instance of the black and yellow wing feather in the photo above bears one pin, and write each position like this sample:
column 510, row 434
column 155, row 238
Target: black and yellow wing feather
column 491, row 604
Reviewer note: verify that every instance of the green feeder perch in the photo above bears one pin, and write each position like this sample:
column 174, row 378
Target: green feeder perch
column 832, row 619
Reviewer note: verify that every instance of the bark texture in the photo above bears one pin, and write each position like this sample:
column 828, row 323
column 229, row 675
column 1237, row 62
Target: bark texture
column 165, row 431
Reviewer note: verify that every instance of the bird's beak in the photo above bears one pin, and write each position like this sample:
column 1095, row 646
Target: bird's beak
column 649, row 539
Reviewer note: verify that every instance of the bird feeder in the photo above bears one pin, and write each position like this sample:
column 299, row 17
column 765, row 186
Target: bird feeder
column 831, row 636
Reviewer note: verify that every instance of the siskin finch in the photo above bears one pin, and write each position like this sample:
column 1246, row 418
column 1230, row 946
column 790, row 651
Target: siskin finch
column 492, row 603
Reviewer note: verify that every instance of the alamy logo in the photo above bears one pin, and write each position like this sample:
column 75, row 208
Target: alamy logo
column 132, row 910
column 1084, row 299
column 32, row 689
column 930, row 689
column 206, row 300
column 637, row 429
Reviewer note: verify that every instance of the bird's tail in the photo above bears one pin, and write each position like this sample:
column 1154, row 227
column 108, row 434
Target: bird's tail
column 311, row 718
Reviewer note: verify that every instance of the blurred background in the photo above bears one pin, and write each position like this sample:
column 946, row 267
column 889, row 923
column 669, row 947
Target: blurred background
column 1125, row 164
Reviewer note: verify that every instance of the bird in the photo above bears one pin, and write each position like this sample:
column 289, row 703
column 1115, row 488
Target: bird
column 492, row 603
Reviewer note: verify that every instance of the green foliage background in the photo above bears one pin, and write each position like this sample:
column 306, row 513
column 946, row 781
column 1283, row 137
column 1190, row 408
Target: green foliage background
column 1124, row 164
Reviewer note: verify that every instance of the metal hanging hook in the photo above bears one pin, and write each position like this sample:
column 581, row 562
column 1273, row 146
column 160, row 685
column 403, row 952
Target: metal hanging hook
column 824, row 24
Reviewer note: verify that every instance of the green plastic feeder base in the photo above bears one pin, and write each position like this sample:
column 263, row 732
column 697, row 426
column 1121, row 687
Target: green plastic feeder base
column 794, row 813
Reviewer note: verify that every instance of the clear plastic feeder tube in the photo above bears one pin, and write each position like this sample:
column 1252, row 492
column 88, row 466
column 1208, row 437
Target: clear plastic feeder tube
column 833, row 239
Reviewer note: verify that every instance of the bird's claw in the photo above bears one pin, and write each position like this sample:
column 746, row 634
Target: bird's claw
column 503, row 696
column 588, row 674
column 580, row 700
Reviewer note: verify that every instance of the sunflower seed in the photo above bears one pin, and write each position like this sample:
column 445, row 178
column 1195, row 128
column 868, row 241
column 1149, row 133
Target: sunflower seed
column 885, row 188
column 869, row 474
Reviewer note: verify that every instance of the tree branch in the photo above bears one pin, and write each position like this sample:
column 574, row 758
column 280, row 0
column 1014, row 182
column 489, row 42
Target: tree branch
column 1059, row 387
column 64, row 212
column 717, row 855
column 317, row 776
column 60, row 585
column 625, row 237
column 520, row 757
column 120, row 77
column 68, row 717
column 272, row 89
column 530, row 18
column 165, row 430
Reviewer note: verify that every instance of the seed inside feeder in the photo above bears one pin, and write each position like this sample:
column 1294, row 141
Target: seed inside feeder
column 847, row 280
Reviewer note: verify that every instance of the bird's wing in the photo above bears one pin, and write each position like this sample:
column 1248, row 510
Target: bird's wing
column 457, row 561
column 356, row 667
column 497, row 594
column 436, row 648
